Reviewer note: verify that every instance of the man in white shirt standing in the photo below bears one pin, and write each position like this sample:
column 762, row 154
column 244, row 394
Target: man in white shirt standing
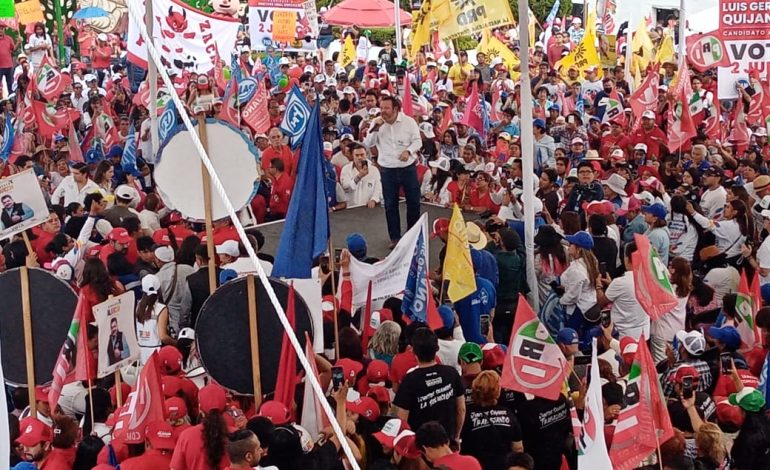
column 627, row 314
column 715, row 196
column 75, row 186
column 398, row 140
column 360, row 180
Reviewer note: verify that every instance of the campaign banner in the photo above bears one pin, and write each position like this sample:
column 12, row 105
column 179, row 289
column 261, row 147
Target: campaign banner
column 271, row 21
column 117, row 333
column 466, row 18
column 745, row 30
column 187, row 39
column 23, row 204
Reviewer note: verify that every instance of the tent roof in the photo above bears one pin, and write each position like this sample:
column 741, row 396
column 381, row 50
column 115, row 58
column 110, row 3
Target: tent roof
column 365, row 14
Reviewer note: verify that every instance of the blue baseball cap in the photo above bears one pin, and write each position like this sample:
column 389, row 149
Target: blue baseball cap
column 447, row 316
column 356, row 245
column 657, row 209
column 581, row 239
column 115, row 151
column 727, row 335
column 567, row 336
column 539, row 123
column 227, row 275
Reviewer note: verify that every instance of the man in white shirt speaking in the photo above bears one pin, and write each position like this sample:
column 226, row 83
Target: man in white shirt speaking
column 397, row 139
column 360, row 180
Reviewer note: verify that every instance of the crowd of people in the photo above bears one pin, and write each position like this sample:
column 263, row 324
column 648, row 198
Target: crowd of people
column 411, row 395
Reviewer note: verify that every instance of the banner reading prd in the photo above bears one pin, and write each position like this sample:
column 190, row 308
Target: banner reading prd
column 474, row 16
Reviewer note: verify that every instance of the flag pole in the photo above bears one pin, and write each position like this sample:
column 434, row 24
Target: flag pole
column 527, row 144
column 629, row 53
column 152, row 78
column 334, row 294
column 207, row 207
column 254, row 334
column 26, row 308
column 118, row 389
column 682, row 49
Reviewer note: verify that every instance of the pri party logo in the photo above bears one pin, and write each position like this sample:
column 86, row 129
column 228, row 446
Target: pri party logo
column 536, row 359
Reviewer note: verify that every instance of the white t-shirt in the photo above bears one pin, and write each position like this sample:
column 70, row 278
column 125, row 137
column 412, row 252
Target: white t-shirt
column 763, row 258
column 723, row 281
column 666, row 326
column 627, row 314
column 713, row 202
column 36, row 57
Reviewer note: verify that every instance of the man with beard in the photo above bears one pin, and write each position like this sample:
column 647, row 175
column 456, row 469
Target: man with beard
column 119, row 241
column 35, row 441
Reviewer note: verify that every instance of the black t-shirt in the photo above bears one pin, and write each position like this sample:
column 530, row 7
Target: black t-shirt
column 429, row 394
column 488, row 433
column 681, row 420
column 548, row 425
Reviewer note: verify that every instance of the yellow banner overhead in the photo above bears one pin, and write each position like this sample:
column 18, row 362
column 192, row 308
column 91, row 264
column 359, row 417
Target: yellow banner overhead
column 348, row 52
column 583, row 55
column 474, row 16
column 493, row 47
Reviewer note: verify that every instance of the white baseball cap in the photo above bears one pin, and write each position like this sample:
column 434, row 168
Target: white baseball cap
column 165, row 254
column 648, row 114
column 229, row 248
column 150, row 284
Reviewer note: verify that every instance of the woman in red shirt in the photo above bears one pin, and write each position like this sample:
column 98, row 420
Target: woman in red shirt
column 97, row 285
column 202, row 447
column 481, row 197
column 101, row 54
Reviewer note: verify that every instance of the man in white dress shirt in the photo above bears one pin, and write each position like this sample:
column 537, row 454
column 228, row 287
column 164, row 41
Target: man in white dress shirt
column 360, row 180
column 397, row 139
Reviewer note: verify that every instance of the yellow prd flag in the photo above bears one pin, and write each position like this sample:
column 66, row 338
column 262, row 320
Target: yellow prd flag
column 348, row 52
column 665, row 50
column 467, row 18
column 493, row 47
column 531, row 27
column 584, row 54
column 458, row 266
column 420, row 28
column 641, row 45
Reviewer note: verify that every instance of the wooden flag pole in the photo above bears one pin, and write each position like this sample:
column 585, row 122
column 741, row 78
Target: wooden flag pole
column 256, row 376
column 334, row 303
column 207, row 207
column 118, row 389
column 26, row 308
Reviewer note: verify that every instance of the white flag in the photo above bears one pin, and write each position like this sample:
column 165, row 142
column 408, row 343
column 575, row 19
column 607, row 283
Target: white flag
column 313, row 417
column 592, row 449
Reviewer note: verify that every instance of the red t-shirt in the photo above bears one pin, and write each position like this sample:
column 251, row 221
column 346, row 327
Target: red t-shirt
column 39, row 244
column 6, row 53
column 280, row 194
column 456, row 461
column 59, row 459
column 607, row 143
column 285, row 155
column 485, row 200
column 150, row 459
column 190, row 452
column 180, row 233
column 454, row 190
column 101, row 57
column 652, row 139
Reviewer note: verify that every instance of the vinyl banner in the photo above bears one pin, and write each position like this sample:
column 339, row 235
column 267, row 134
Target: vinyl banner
column 268, row 24
column 745, row 29
column 474, row 16
column 186, row 38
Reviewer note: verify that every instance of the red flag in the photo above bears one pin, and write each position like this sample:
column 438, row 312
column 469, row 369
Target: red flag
column 229, row 111
column 739, row 134
column 473, row 115
column 219, row 74
column 645, row 98
column 25, row 113
column 446, row 121
column 712, row 125
column 681, row 127
column 287, row 365
column 366, row 327
column 255, row 113
column 406, row 100
column 434, row 319
column 49, row 80
column 534, row 362
column 644, row 421
column 613, row 111
column 653, row 288
column 144, row 405
column 72, row 363
column 746, row 308
column 76, row 154
column 50, row 120
column 142, row 96
column 706, row 51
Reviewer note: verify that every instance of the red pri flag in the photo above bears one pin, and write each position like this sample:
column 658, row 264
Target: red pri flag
column 653, row 288
column 446, row 121
column 534, row 362
column 473, row 115
column 746, row 305
column 645, row 98
column 76, row 154
column 681, row 127
column 73, row 361
column 366, row 328
column 230, row 111
column 142, row 96
column 255, row 113
column 50, row 120
column 406, row 100
column 706, row 51
column 287, row 364
column 644, row 421
column 49, row 80
column 144, row 405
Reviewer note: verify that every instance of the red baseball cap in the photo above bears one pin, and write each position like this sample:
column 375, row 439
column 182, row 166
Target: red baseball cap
column 628, row 348
column 405, row 445
column 33, row 432
column 176, row 408
column 171, row 385
column 377, row 371
column 41, row 393
column 440, row 226
column 212, row 397
column 684, row 371
column 494, row 356
column 170, row 360
column 275, row 411
column 728, row 415
column 174, row 218
column 161, row 237
column 380, row 394
column 366, row 407
column 390, row 431
column 350, row 369
column 161, row 435
column 119, row 235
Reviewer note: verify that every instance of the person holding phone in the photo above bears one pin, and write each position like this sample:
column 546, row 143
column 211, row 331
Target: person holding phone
column 686, row 381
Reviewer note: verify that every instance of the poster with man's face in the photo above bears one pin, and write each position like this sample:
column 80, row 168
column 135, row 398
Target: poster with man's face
column 117, row 333
column 22, row 204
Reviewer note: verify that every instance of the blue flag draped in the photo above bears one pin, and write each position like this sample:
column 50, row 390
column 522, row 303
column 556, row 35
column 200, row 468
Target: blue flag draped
column 128, row 160
column 8, row 136
column 306, row 230
column 415, row 302
column 295, row 119
column 167, row 121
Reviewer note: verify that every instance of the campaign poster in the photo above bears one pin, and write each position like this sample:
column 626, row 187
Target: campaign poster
column 270, row 25
column 23, row 204
column 745, row 29
column 117, row 333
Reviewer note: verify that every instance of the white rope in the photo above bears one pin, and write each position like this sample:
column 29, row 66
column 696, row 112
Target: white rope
column 137, row 18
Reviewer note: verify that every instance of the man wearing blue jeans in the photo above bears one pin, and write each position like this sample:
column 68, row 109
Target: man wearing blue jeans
column 397, row 139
